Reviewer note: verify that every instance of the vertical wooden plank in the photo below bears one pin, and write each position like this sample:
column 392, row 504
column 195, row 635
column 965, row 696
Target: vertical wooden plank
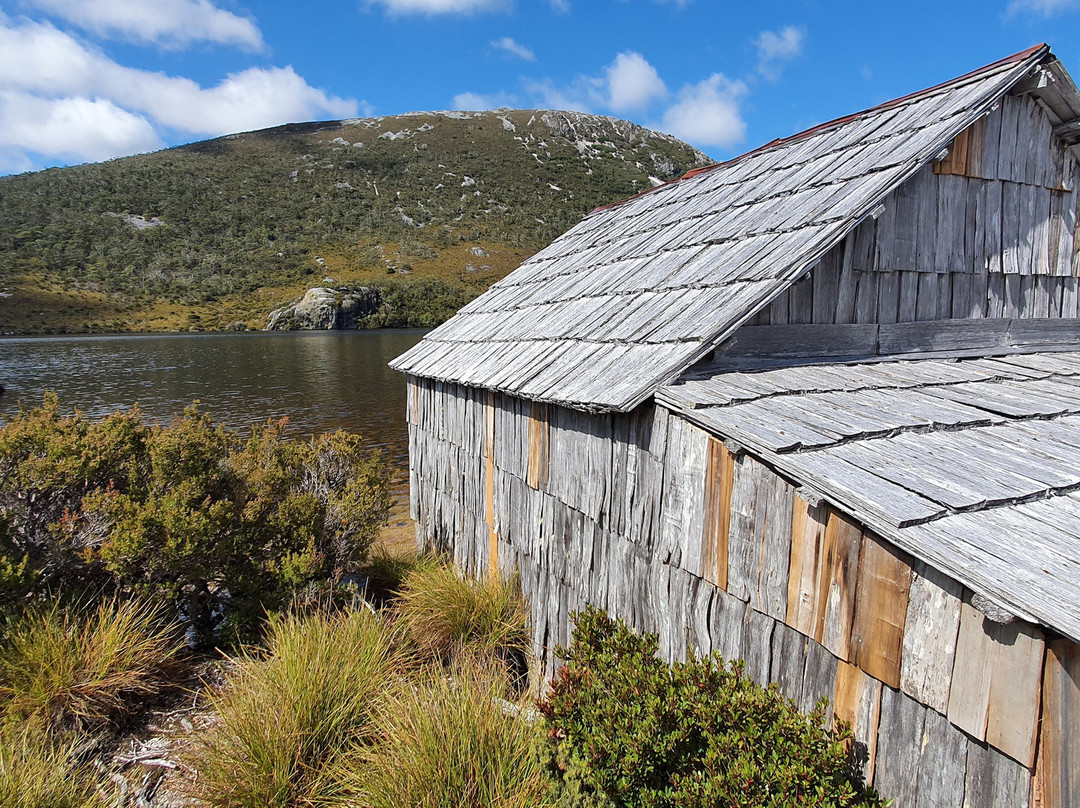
column 926, row 306
column 539, row 446
column 992, row 245
column 994, row 780
column 801, row 300
column 775, row 548
column 826, row 281
column 845, row 295
column 866, row 296
column 1041, row 198
column 1010, row 228
column 489, row 482
column 1015, row 684
column 899, row 748
column 1014, row 296
column 757, row 645
column 788, row 662
column 743, row 542
column 909, row 295
column 960, row 306
column 804, row 572
column 1058, row 775
column 906, row 227
column 819, row 679
column 925, row 247
column 977, row 295
column 990, row 144
column 857, row 702
column 727, row 619
column 930, row 630
column 976, row 148
column 942, row 764
column 969, row 694
column 885, row 241
column 1007, row 143
column 888, row 296
column 881, row 603
column 836, row 592
column 720, row 470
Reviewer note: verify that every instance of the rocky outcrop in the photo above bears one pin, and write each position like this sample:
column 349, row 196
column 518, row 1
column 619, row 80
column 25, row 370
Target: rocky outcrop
column 325, row 309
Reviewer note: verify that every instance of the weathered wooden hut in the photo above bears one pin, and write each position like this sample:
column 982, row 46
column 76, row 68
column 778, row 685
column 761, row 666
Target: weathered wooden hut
column 817, row 407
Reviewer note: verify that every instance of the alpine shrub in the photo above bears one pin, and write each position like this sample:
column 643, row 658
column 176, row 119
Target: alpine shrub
column 626, row 729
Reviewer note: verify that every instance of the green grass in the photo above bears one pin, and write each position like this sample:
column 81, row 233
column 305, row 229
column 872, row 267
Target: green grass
column 450, row 741
column 288, row 716
column 78, row 667
column 36, row 772
column 442, row 612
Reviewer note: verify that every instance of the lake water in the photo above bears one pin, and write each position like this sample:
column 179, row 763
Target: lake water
column 321, row 380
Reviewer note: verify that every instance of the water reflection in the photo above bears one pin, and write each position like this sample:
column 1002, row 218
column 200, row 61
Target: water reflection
column 320, row 380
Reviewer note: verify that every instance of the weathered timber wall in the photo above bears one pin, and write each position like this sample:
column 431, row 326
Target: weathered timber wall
column 656, row 521
column 986, row 232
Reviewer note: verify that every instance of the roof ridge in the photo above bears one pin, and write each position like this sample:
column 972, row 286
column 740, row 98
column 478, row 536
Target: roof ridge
column 826, row 125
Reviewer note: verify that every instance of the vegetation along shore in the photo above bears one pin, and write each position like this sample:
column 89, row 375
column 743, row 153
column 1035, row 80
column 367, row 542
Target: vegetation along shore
column 195, row 617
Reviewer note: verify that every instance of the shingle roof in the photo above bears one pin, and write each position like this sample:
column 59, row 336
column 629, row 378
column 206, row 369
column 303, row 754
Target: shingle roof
column 637, row 292
column 967, row 464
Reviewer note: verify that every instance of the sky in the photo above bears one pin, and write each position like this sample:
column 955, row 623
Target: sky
column 88, row 80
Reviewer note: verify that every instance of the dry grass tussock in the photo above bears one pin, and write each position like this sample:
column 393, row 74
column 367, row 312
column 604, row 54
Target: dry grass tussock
column 73, row 668
column 441, row 613
column 287, row 716
column 36, row 771
column 450, row 740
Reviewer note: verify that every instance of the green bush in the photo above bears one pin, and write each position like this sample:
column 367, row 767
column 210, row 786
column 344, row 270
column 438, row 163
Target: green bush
column 187, row 512
column 626, row 729
column 76, row 668
column 450, row 741
column 287, row 719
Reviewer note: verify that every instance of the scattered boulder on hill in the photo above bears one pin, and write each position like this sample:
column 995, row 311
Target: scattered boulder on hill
column 325, row 309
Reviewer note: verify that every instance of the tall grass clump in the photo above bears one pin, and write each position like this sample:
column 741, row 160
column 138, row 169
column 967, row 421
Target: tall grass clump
column 451, row 741
column 36, row 772
column 442, row 613
column 286, row 717
column 77, row 667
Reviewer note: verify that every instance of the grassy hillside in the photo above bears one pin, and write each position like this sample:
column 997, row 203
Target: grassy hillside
column 431, row 206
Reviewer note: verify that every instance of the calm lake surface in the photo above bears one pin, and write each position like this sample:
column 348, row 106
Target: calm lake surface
column 321, row 380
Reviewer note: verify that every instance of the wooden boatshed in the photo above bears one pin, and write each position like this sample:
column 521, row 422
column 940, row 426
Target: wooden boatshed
column 818, row 408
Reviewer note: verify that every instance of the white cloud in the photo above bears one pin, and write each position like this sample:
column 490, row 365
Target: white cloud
column 433, row 7
column 707, row 113
column 561, row 6
column 633, row 83
column 475, row 101
column 514, row 49
column 584, row 94
column 73, row 129
column 1042, row 8
column 125, row 105
column 777, row 48
column 170, row 23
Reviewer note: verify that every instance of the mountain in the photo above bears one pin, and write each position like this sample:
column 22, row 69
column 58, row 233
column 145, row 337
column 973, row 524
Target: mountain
column 426, row 208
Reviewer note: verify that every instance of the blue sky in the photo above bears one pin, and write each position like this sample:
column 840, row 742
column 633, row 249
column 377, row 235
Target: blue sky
column 84, row 80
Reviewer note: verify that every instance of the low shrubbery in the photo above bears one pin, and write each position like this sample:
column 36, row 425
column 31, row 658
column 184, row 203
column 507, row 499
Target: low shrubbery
column 187, row 513
column 626, row 729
